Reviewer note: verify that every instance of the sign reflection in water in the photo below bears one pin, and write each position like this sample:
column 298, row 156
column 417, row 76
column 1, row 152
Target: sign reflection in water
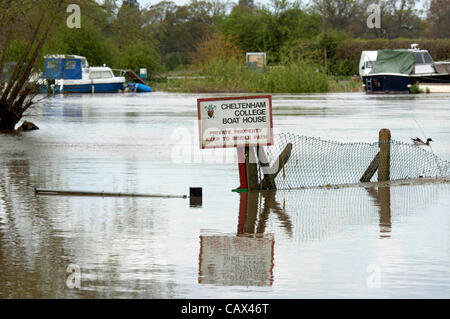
column 245, row 259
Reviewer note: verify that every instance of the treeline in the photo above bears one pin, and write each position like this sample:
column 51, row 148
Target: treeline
column 326, row 34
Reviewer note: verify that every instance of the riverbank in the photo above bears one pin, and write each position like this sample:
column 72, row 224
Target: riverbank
column 232, row 78
column 198, row 84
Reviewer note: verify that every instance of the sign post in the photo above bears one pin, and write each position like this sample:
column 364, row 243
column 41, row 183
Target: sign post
column 242, row 169
column 240, row 122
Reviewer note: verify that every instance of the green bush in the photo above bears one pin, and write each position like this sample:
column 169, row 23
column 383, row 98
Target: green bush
column 139, row 55
column 232, row 76
column 414, row 89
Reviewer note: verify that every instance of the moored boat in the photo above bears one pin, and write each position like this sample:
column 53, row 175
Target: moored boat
column 395, row 71
column 72, row 74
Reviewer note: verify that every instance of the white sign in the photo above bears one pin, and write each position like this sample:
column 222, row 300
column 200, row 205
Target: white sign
column 235, row 121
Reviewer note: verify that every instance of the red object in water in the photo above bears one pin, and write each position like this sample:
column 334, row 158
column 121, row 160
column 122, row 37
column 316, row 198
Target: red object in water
column 242, row 171
column 242, row 213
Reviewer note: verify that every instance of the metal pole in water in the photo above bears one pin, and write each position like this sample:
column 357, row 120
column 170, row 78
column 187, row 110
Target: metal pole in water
column 48, row 192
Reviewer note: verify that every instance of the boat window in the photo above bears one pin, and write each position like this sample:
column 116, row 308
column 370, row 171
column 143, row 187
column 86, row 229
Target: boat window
column 53, row 64
column 369, row 64
column 71, row 65
column 100, row 75
column 427, row 58
column 419, row 58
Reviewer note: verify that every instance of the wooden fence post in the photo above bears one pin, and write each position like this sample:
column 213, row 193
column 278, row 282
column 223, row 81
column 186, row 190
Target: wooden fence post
column 384, row 167
column 371, row 170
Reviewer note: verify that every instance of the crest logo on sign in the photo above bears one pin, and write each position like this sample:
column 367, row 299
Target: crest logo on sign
column 210, row 109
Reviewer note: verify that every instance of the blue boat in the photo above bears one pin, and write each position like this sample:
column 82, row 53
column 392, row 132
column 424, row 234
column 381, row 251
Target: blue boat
column 72, row 74
column 138, row 87
column 395, row 71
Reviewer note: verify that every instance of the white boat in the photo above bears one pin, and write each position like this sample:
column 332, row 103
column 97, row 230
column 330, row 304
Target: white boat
column 395, row 71
column 72, row 74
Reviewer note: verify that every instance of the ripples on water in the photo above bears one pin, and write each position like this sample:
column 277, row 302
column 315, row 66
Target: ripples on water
column 308, row 243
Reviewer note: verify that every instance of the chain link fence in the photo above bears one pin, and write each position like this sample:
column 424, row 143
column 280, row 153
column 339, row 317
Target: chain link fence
column 315, row 162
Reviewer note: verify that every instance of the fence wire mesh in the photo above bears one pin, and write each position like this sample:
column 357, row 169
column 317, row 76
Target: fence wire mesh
column 315, row 162
column 315, row 214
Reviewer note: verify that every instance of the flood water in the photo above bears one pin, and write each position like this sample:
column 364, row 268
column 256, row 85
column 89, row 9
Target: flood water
column 386, row 242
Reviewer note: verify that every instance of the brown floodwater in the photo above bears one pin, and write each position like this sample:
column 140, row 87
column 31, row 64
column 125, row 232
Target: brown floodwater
column 381, row 242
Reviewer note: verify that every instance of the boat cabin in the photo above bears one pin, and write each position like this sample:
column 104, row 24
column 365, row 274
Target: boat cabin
column 100, row 73
column 367, row 62
column 68, row 67
column 424, row 61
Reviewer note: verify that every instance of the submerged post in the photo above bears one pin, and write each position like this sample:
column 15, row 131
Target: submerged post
column 251, row 169
column 195, row 197
column 241, row 151
column 384, row 167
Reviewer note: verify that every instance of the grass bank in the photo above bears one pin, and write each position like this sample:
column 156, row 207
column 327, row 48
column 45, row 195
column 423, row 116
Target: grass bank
column 232, row 77
column 347, row 84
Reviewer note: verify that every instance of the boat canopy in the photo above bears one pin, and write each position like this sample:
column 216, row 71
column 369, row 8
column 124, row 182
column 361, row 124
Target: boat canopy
column 394, row 61
column 64, row 67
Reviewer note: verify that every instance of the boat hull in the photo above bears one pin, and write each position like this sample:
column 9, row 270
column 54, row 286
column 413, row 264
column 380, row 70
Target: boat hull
column 399, row 84
column 438, row 78
column 386, row 84
column 85, row 88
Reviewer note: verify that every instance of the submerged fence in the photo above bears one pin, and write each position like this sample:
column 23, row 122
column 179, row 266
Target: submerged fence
column 300, row 161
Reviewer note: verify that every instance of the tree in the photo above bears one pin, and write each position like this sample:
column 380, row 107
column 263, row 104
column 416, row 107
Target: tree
column 33, row 22
column 177, row 29
column 269, row 28
column 339, row 14
column 139, row 55
column 439, row 14
column 128, row 25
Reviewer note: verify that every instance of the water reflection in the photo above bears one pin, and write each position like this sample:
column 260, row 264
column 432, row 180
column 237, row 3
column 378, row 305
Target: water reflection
column 111, row 242
column 31, row 250
column 308, row 243
column 247, row 258
column 317, row 214
column 255, row 209
column 382, row 199
column 243, row 259
column 229, row 260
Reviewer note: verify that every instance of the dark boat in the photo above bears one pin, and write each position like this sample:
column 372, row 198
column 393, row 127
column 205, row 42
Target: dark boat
column 395, row 71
